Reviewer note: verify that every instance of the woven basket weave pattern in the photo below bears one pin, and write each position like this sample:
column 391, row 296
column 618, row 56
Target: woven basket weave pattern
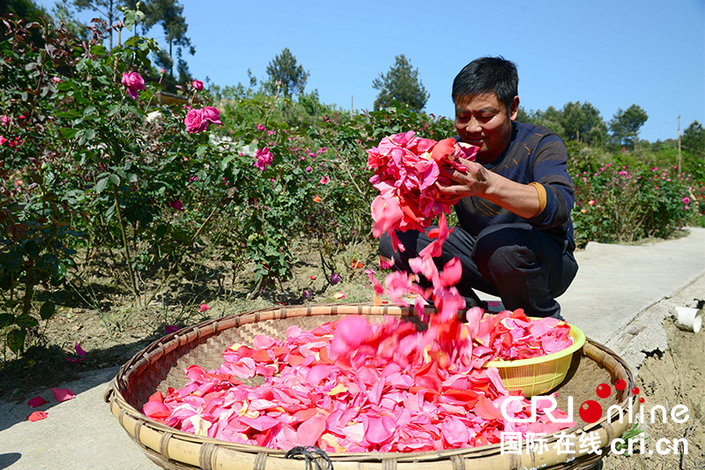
column 161, row 365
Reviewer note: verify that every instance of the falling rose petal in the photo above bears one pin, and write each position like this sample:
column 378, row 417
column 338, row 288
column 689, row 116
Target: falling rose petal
column 452, row 271
column 350, row 333
column 339, row 295
column 386, row 214
column 74, row 360
column 36, row 401
column 37, row 416
column 79, row 350
column 386, row 263
column 378, row 289
column 63, row 394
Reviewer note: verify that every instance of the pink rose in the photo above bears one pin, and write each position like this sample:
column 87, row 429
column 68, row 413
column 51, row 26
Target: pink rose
column 264, row 158
column 211, row 114
column 195, row 121
column 134, row 83
column 197, row 85
column 176, row 205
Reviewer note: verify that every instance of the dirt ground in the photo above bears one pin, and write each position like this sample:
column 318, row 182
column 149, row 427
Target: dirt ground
column 107, row 323
column 671, row 378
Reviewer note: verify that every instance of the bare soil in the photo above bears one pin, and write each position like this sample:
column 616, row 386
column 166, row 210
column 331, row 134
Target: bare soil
column 111, row 326
column 672, row 379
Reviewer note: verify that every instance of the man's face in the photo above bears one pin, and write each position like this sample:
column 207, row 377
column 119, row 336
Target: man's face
column 481, row 120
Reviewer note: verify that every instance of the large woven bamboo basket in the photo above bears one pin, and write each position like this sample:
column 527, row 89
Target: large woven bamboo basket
column 161, row 365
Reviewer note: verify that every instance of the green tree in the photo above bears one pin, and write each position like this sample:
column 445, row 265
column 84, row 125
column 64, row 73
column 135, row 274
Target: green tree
column 291, row 76
column 285, row 72
column 626, row 124
column 581, row 122
column 693, row 140
column 551, row 119
column 63, row 12
column 182, row 68
column 170, row 15
column 108, row 9
column 400, row 86
column 28, row 11
column 25, row 9
column 525, row 116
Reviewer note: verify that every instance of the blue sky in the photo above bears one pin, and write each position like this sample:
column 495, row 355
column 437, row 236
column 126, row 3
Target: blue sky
column 611, row 53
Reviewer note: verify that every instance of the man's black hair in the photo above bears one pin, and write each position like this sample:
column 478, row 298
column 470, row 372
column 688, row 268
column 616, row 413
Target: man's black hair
column 488, row 75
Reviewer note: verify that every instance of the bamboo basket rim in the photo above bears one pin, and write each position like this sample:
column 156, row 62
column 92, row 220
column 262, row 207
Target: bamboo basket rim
column 125, row 411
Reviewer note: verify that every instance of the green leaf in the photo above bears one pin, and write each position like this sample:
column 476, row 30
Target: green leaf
column 115, row 179
column 101, row 184
column 161, row 231
column 25, row 321
column 15, row 340
column 69, row 133
column 12, row 260
column 86, row 137
column 224, row 162
column 47, row 310
column 181, row 236
column 99, row 49
column 89, row 111
column 6, row 319
column 32, row 249
column 201, row 150
column 110, row 213
column 58, row 272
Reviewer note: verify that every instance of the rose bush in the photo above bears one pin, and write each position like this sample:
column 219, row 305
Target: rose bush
column 92, row 163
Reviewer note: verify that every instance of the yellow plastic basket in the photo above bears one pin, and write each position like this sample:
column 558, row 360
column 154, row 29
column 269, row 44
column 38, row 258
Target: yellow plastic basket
column 538, row 375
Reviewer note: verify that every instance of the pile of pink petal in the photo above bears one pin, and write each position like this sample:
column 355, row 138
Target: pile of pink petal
column 355, row 386
column 406, row 170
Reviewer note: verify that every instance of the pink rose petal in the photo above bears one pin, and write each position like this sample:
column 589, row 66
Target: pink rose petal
column 63, row 394
column 79, row 350
column 310, row 430
column 37, row 416
column 36, row 401
column 169, row 329
column 379, row 430
column 261, row 423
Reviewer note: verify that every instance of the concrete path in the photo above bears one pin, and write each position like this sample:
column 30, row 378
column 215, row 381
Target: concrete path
column 612, row 300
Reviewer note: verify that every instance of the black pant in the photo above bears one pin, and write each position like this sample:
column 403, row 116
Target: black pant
column 521, row 265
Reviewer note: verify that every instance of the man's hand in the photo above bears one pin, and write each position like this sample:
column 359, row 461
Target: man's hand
column 472, row 182
column 521, row 199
